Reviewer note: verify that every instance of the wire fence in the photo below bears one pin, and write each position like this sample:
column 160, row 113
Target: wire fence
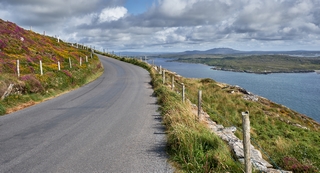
column 180, row 88
column 38, row 66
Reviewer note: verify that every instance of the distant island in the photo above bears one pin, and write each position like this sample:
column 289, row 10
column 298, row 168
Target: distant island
column 260, row 62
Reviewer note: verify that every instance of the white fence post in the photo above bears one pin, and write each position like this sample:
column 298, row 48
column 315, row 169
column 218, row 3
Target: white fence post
column 172, row 82
column 199, row 103
column 18, row 68
column 164, row 76
column 183, row 93
column 59, row 65
column 246, row 141
column 41, row 70
column 80, row 61
column 86, row 58
column 70, row 63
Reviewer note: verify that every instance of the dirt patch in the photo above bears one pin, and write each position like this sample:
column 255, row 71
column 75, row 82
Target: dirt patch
column 21, row 106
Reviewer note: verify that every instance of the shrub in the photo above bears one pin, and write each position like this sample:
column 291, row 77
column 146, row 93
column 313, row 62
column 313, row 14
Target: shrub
column 33, row 85
column 291, row 163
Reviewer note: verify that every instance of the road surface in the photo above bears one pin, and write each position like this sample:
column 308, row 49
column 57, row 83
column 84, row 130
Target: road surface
column 109, row 125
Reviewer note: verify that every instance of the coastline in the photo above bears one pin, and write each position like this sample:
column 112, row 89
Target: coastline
column 266, row 72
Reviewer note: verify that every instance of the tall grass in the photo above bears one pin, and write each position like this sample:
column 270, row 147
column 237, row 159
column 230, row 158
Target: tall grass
column 190, row 143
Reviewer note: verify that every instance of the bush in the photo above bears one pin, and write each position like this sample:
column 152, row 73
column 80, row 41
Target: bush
column 291, row 163
column 33, row 85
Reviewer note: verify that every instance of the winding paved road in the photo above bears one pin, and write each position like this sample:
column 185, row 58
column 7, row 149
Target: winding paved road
column 109, row 125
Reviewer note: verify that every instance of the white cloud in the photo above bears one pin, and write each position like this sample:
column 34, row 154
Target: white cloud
column 241, row 24
column 111, row 14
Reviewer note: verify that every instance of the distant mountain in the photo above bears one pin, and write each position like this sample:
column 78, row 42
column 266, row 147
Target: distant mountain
column 223, row 51
column 215, row 51
column 137, row 54
column 229, row 51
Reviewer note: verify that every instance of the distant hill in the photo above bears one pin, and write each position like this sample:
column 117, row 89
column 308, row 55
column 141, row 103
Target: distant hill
column 230, row 51
column 222, row 51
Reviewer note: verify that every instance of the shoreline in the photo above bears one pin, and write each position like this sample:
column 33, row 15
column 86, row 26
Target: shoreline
column 266, row 72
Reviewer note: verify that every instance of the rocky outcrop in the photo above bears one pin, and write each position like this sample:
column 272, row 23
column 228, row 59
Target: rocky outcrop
column 7, row 92
column 10, row 87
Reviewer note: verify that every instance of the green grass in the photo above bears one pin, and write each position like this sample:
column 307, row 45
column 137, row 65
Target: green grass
column 259, row 63
column 272, row 125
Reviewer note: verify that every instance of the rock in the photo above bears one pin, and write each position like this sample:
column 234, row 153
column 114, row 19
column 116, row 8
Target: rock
column 300, row 126
column 251, row 97
column 277, row 171
column 7, row 92
column 232, row 129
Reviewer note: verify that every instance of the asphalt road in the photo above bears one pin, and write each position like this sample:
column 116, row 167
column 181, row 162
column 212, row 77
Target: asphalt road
column 109, row 125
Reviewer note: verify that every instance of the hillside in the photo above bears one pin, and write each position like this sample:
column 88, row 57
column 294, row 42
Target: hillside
column 27, row 83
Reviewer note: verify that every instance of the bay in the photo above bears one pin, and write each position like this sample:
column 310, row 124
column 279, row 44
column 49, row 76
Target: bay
column 297, row 91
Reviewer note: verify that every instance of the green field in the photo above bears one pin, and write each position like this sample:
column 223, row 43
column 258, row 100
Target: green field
column 257, row 63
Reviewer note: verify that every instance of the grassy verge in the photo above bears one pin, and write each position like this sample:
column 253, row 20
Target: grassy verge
column 287, row 139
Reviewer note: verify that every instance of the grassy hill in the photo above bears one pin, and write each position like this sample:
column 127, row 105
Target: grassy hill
column 30, row 48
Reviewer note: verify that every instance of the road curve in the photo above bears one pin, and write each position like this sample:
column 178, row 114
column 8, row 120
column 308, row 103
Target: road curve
column 109, row 125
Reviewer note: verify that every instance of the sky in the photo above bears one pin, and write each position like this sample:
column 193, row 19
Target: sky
column 173, row 25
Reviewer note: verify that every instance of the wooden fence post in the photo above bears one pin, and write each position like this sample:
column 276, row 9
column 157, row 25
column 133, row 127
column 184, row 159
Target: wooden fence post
column 163, row 76
column 172, row 82
column 86, row 58
column 183, row 93
column 18, row 67
column 246, row 141
column 199, row 103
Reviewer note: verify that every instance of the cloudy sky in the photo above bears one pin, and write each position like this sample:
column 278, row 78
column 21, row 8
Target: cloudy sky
column 173, row 25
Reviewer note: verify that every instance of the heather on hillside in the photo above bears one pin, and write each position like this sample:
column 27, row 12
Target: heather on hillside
column 24, row 48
